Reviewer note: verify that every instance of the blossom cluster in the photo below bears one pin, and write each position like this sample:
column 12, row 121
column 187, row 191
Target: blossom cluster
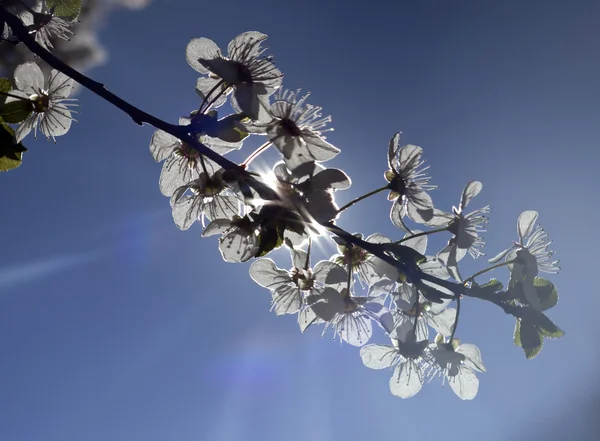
column 393, row 284
column 354, row 291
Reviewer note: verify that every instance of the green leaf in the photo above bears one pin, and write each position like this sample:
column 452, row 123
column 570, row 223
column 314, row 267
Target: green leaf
column 546, row 292
column 494, row 285
column 16, row 110
column 11, row 154
column 67, row 9
column 528, row 338
column 5, row 85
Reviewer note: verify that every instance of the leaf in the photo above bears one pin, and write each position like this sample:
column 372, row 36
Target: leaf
column 545, row 290
column 5, row 85
column 11, row 154
column 15, row 110
column 268, row 240
column 494, row 285
column 528, row 338
column 67, row 9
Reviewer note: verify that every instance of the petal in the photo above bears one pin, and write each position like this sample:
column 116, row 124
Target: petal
column 378, row 356
column 526, row 223
column 56, row 121
column 393, row 150
column 299, row 259
column 465, row 384
column 163, row 145
column 407, row 379
column 251, row 99
column 442, row 322
column 222, row 206
column 418, row 244
column 266, row 274
column 499, row 256
column 25, row 127
column 29, row 78
column 60, row 85
column 355, row 328
column 409, row 158
column 329, row 273
column 186, row 211
column 246, row 46
column 287, row 299
column 217, row 226
column 330, row 178
column 201, row 49
column 472, row 356
column 238, row 246
column 328, row 304
column 471, row 190
column 306, row 318
column 206, row 85
column 175, row 173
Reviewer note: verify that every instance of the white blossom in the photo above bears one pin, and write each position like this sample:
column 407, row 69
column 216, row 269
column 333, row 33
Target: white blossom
column 296, row 129
column 408, row 184
column 49, row 100
column 253, row 76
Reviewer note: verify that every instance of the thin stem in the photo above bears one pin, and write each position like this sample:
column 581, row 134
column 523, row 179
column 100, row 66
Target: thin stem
column 22, row 98
column 422, row 233
column 483, row 271
column 455, row 318
column 255, row 153
column 364, row 196
column 209, row 94
column 216, row 98
column 307, row 263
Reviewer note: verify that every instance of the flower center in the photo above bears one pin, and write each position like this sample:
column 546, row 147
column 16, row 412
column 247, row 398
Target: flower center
column 40, row 102
column 290, row 127
column 303, row 278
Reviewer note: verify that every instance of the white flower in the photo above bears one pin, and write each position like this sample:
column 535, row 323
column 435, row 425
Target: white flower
column 296, row 129
column 363, row 263
column 47, row 26
column 253, row 76
column 532, row 254
column 408, row 184
column 49, row 101
column 311, row 195
column 457, row 363
column 183, row 163
column 349, row 316
column 290, row 289
column 465, row 228
column 210, row 198
column 407, row 356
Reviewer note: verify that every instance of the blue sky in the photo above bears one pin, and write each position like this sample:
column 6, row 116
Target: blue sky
column 115, row 325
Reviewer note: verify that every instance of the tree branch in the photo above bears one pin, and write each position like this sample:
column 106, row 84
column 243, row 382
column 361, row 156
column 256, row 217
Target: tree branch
column 413, row 274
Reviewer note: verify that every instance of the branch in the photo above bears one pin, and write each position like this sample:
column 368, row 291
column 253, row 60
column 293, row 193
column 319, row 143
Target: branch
column 414, row 274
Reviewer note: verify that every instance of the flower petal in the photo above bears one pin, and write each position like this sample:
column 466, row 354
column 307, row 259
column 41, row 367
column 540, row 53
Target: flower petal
column 201, row 49
column 471, row 190
column 407, row 379
column 266, row 274
column 29, row 78
column 526, row 223
column 465, row 384
column 376, row 356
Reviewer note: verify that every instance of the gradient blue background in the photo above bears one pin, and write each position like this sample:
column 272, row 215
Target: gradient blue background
column 116, row 326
